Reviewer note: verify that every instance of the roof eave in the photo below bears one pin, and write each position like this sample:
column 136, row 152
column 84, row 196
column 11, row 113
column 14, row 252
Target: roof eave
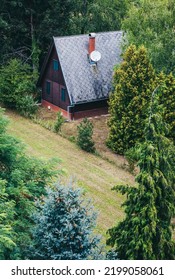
column 90, row 101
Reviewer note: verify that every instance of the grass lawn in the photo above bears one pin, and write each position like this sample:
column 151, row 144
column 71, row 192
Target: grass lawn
column 93, row 173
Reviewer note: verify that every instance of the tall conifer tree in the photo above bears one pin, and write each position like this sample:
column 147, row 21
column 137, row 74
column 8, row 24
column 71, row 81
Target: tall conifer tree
column 133, row 82
column 146, row 232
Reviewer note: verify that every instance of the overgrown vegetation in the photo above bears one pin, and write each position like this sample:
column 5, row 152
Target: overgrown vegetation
column 84, row 137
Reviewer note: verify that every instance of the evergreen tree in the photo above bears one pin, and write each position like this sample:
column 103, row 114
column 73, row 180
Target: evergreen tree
column 134, row 80
column 17, row 87
column 167, row 99
column 146, row 232
column 6, row 221
column 64, row 227
column 25, row 179
column 84, row 139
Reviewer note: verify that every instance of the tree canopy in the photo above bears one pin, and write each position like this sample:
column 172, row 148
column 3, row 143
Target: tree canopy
column 27, row 27
column 151, row 23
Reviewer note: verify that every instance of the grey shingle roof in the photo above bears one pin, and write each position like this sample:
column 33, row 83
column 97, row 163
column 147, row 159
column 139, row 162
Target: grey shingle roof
column 84, row 82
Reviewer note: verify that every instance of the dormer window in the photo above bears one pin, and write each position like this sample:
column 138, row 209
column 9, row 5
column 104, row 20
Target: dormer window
column 55, row 65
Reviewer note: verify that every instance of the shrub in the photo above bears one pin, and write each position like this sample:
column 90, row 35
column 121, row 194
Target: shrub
column 26, row 106
column 17, row 87
column 59, row 122
column 84, row 139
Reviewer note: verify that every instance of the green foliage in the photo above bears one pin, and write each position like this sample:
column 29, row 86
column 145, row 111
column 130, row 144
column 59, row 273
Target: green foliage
column 6, row 221
column 26, row 106
column 59, row 122
column 64, row 227
column 17, row 87
column 151, row 23
column 25, row 179
column 167, row 99
column 145, row 232
column 97, row 16
column 84, row 138
column 133, row 82
column 24, row 23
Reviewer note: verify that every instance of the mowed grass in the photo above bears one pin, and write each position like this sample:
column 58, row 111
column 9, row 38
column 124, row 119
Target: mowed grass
column 92, row 173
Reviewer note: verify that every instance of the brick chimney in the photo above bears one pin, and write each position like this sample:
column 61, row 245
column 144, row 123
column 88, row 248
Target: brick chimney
column 91, row 42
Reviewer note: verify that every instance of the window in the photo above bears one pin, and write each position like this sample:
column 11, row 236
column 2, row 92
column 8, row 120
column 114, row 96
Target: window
column 63, row 94
column 48, row 88
column 55, row 65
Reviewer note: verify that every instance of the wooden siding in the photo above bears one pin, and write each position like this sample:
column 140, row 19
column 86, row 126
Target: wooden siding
column 57, row 83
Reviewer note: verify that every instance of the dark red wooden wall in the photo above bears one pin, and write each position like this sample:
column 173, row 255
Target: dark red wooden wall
column 56, row 83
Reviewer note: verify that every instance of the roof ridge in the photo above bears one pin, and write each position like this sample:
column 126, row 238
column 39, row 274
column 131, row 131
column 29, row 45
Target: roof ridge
column 81, row 35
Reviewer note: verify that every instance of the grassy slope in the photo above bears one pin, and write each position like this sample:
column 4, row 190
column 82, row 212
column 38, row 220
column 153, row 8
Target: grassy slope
column 94, row 174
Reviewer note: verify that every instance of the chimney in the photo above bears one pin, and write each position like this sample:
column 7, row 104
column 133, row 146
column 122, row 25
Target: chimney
column 91, row 42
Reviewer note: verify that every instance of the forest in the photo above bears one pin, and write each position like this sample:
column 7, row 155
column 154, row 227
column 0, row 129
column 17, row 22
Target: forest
column 45, row 218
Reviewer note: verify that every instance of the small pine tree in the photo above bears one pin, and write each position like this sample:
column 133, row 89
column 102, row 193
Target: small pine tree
column 146, row 231
column 84, row 139
column 134, row 80
column 59, row 122
column 64, row 227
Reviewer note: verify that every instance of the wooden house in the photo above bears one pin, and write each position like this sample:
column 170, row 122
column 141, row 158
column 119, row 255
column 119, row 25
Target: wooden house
column 76, row 77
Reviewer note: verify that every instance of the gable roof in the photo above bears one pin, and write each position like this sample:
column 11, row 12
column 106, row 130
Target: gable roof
column 84, row 82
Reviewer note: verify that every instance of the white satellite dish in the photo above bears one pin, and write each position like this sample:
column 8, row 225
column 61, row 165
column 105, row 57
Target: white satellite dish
column 95, row 56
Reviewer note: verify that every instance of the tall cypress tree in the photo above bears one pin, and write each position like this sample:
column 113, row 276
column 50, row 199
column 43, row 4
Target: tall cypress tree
column 146, row 232
column 133, row 83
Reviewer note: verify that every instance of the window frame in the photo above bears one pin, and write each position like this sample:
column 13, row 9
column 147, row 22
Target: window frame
column 55, row 65
column 63, row 94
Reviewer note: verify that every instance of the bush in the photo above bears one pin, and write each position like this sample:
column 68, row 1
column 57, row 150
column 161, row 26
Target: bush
column 59, row 122
column 17, row 87
column 84, row 139
column 26, row 106
column 64, row 227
